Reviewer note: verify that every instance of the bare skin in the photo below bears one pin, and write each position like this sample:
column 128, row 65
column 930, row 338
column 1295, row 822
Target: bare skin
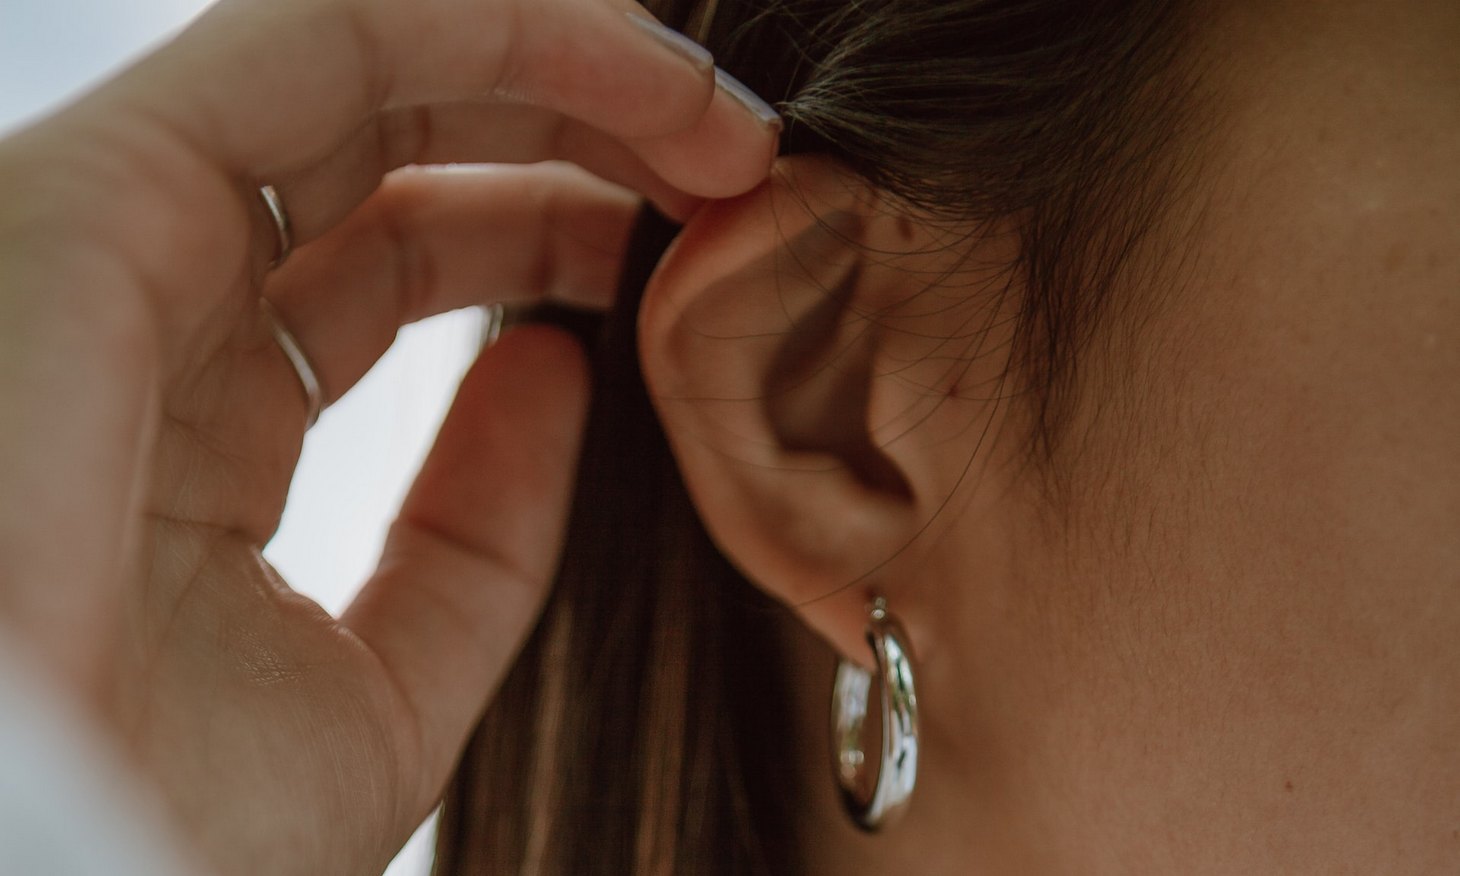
column 1243, row 654
column 1233, row 650
column 1232, row 643
column 151, row 425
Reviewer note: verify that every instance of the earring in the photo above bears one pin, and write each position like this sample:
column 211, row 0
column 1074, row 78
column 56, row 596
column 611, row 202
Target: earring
column 897, row 773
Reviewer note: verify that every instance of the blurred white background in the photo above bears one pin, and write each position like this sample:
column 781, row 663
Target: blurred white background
column 360, row 458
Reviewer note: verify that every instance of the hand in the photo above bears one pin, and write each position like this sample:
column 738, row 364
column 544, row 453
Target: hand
column 151, row 424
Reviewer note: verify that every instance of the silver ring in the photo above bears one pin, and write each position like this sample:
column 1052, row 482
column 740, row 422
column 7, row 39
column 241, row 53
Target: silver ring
column 282, row 226
column 897, row 773
column 308, row 378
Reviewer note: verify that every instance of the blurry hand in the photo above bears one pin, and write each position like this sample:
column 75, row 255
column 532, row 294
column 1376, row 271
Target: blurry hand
column 150, row 423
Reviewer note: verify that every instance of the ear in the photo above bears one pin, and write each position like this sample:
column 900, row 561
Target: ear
column 824, row 364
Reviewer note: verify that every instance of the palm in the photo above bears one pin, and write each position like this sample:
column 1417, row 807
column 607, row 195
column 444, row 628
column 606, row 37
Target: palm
column 269, row 725
column 265, row 718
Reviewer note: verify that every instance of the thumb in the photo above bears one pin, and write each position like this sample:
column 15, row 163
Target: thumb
column 469, row 561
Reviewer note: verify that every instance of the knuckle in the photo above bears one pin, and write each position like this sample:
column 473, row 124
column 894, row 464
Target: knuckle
column 360, row 25
column 413, row 271
column 509, row 76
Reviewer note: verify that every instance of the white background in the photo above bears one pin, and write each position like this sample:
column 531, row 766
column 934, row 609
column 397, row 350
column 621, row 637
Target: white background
column 361, row 456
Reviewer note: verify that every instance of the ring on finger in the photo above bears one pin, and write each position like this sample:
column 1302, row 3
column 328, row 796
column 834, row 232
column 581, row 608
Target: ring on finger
column 282, row 227
column 308, row 377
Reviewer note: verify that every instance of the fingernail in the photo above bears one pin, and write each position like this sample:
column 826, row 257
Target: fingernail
column 675, row 41
column 748, row 99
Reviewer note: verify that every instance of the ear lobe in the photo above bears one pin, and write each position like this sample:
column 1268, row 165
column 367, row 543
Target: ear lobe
column 787, row 373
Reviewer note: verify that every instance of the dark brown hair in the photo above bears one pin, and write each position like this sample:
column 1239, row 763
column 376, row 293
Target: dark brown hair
column 637, row 729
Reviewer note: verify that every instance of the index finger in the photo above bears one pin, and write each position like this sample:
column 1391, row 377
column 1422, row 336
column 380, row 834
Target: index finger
column 267, row 85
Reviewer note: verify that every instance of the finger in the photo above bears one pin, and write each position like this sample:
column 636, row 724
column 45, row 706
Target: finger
column 273, row 84
column 470, row 559
column 320, row 196
column 433, row 241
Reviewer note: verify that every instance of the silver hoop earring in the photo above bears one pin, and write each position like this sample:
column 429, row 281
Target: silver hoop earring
column 897, row 773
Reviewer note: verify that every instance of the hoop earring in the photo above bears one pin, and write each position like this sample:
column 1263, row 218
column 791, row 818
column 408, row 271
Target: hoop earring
column 897, row 774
